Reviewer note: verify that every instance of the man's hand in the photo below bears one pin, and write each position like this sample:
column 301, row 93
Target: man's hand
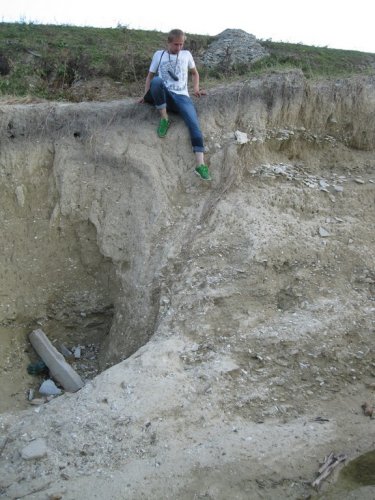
column 199, row 93
column 141, row 100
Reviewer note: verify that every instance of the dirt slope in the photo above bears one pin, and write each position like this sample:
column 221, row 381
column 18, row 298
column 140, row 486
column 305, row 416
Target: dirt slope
column 246, row 305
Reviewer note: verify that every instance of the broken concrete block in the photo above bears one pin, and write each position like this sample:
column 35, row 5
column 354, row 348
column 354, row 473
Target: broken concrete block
column 60, row 370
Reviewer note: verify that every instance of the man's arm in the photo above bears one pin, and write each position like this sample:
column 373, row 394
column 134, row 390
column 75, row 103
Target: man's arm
column 195, row 77
column 149, row 77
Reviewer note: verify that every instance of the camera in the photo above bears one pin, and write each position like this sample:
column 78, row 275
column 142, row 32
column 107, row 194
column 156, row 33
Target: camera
column 173, row 75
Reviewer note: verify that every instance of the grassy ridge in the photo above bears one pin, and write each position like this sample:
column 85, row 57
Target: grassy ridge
column 317, row 61
column 47, row 61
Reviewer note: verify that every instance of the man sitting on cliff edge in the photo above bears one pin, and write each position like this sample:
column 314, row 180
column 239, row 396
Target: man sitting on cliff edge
column 168, row 91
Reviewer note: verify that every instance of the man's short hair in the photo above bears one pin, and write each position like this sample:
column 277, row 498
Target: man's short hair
column 175, row 34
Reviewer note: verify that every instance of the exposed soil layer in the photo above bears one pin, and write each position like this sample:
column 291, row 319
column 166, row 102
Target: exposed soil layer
column 240, row 313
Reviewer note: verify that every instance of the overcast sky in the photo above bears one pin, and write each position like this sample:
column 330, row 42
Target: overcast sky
column 336, row 24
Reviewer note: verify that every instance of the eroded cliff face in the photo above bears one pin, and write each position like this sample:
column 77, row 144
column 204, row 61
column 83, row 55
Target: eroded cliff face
column 95, row 208
column 252, row 296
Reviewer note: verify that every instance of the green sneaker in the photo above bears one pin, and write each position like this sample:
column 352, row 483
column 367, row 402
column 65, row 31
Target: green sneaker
column 203, row 172
column 163, row 127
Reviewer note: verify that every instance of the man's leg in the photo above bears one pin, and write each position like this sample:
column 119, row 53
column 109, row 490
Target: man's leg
column 199, row 157
column 159, row 95
column 188, row 113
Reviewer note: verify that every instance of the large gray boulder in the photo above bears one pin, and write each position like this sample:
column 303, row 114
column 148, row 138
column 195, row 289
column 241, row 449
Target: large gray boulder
column 233, row 47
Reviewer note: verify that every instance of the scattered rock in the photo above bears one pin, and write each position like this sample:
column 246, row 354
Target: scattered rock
column 323, row 232
column 36, row 449
column 20, row 195
column 37, row 401
column 368, row 409
column 49, row 388
column 65, row 351
column 241, row 137
column 332, row 198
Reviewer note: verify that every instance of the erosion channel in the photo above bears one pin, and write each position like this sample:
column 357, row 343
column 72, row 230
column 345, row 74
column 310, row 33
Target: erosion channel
column 226, row 327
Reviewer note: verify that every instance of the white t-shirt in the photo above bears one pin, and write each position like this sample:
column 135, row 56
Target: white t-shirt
column 178, row 64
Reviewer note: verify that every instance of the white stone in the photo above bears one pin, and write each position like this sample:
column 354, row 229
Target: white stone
column 36, row 449
column 20, row 195
column 241, row 137
column 49, row 388
column 323, row 232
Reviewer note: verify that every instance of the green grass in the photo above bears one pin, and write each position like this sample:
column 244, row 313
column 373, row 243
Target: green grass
column 316, row 61
column 44, row 61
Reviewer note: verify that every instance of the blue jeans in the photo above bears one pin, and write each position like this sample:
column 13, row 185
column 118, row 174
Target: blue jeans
column 181, row 104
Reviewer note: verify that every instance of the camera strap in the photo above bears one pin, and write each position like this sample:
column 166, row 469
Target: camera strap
column 170, row 63
column 161, row 57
